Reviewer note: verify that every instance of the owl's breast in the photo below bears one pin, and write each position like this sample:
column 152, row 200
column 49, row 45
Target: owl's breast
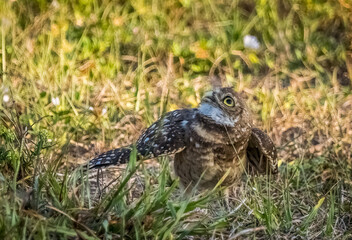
column 212, row 151
column 205, row 163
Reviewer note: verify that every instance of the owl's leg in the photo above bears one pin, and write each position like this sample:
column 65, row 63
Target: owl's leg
column 231, row 196
column 227, row 199
column 100, row 178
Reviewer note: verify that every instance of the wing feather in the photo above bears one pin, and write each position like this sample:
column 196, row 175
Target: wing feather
column 261, row 153
column 164, row 137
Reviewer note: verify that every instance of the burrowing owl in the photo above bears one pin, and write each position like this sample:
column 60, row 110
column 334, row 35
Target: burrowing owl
column 215, row 138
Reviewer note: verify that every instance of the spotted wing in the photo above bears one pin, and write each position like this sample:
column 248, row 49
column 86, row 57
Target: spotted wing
column 117, row 156
column 261, row 153
column 165, row 136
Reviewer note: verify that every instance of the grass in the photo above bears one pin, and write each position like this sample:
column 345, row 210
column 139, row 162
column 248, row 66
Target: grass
column 81, row 77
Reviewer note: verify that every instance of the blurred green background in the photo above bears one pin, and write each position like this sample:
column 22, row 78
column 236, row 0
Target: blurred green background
column 74, row 60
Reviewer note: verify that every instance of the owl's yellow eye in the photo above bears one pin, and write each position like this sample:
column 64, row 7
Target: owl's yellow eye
column 229, row 101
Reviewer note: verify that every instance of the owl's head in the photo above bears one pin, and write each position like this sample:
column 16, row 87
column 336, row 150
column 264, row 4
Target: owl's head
column 223, row 106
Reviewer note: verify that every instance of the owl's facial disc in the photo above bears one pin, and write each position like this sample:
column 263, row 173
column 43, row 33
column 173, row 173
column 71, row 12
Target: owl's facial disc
column 219, row 106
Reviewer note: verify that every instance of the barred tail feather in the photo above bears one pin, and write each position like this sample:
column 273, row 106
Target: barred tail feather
column 113, row 157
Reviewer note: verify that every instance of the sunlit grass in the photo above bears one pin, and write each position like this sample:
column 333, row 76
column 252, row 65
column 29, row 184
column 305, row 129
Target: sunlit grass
column 81, row 77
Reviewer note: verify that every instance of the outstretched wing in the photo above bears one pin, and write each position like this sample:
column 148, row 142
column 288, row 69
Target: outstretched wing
column 261, row 153
column 117, row 156
column 165, row 136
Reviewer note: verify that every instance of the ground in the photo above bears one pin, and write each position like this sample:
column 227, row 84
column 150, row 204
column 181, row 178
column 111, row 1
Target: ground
column 80, row 77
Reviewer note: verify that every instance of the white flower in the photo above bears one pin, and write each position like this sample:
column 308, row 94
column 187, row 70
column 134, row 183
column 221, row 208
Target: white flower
column 55, row 4
column 90, row 108
column 250, row 41
column 103, row 111
column 135, row 30
column 6, row 98
column 55, row 101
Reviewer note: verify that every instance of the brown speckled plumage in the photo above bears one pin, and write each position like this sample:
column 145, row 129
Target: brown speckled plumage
column 208, row 141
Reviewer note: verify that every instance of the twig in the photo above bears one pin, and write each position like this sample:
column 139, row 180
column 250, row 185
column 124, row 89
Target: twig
column 246, row 231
